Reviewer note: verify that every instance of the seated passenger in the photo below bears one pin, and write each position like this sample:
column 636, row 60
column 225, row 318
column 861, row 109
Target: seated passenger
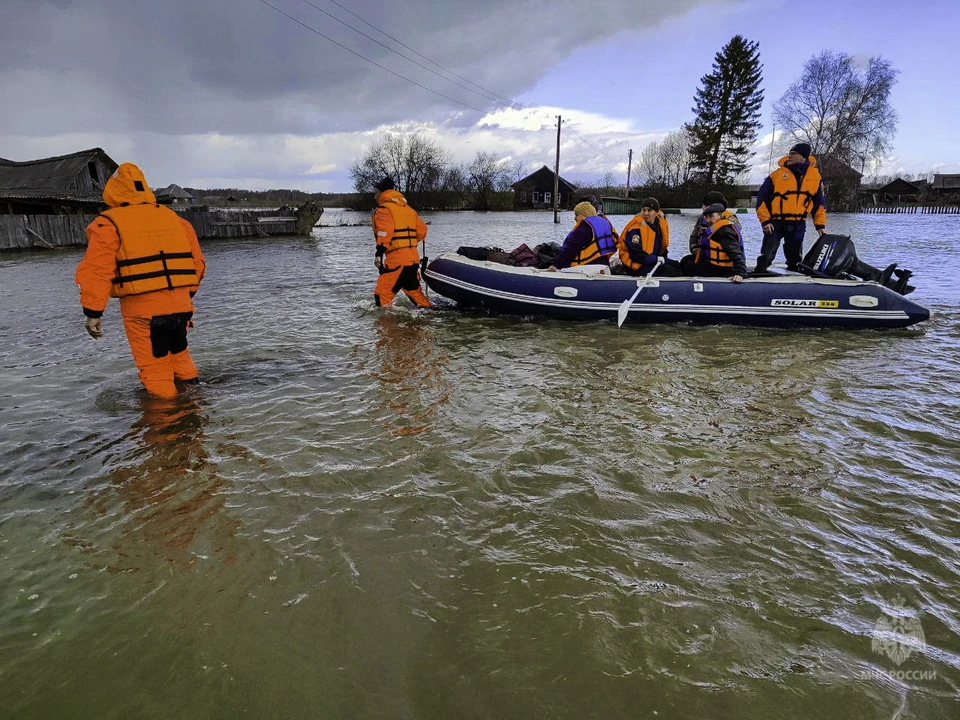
column 720, row 250
column 714, row 196
column 589, row 243
column 646, row 237
column 598, row 206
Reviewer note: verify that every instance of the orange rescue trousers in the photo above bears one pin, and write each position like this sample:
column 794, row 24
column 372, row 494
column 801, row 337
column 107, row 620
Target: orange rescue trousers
column 394, row 280
column 159, row 347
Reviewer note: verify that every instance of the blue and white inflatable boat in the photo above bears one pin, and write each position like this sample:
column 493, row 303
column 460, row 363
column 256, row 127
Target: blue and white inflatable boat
column 779, row 300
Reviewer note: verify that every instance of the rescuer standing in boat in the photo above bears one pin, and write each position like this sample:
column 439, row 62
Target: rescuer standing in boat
column 397, row 229
column 149, row 257
column 791, row 192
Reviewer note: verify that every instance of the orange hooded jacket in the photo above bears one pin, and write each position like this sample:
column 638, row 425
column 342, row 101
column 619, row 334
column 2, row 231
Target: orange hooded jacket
column 138, row 219
column 398, row 228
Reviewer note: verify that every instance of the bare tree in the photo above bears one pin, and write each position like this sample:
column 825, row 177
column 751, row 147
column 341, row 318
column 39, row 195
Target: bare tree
column 841, row 108
column 415, row 163
column 487, row 174
column 667, row 162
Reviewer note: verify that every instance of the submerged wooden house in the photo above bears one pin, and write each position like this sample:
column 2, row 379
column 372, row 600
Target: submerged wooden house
column 49, row 202
column 536, row 190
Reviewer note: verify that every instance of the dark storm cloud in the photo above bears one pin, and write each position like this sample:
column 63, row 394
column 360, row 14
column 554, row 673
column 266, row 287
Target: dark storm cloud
column 181, row 67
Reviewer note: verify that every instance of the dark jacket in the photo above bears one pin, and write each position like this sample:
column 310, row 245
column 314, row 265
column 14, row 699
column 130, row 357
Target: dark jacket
column 728, row 239
column 575, row 243
column 695, row 232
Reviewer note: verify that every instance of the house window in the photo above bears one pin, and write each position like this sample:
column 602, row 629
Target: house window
column 546, row 197
column 92, row 169
column 534, row 196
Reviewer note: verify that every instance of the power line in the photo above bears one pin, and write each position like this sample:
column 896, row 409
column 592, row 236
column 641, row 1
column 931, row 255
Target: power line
column 372, row 62
column 485, row 94
column 506, row 101
column 501, row 101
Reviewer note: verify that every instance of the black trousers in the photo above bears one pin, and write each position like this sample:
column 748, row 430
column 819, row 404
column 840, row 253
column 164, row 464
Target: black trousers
column 792, row 235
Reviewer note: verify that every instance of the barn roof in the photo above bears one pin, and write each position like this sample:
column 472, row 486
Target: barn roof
column 53, row 173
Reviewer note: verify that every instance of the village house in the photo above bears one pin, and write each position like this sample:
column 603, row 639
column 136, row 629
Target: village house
column 49, row 202
column 945, row 186
column 173, row 195
column 536, row 191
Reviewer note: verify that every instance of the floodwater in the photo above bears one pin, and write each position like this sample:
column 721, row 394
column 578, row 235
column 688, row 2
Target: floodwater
column 372, row 513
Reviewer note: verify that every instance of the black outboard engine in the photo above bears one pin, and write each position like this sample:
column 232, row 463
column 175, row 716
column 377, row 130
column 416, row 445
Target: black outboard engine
column 834, row 256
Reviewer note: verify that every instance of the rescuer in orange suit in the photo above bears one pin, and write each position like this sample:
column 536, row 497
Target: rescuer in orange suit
column 397, row 230
column 149, row 257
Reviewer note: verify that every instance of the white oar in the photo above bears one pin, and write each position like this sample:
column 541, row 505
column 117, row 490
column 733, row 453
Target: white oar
column 625, row 305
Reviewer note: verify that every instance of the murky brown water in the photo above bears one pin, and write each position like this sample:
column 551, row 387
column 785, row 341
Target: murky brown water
column 372, row 513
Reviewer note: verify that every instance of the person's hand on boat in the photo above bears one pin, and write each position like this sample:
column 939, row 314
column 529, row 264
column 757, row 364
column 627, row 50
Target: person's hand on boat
column 93, row 327
column 767, row 228
column 552, row 268
column 821, row 231
column 737, row 278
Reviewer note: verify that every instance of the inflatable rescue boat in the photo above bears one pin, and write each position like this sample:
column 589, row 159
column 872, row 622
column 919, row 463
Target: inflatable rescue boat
column 826, row 293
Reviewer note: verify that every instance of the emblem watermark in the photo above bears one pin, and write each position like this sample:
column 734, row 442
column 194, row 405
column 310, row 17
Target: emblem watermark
column 897, row 635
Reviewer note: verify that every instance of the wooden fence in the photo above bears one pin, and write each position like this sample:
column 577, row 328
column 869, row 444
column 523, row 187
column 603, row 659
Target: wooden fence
column 913, row 209
column 20, row 232
column 23, row 232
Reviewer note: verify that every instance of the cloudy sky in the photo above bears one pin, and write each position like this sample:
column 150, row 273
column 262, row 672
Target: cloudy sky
column 283, row 93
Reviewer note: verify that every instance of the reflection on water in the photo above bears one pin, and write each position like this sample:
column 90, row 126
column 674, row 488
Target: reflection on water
column 410, row 370
column 168, row 489
column 448, row 514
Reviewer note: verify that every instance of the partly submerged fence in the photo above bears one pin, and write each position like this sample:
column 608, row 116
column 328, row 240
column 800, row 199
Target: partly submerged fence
column 20, row 232
column 913, row 209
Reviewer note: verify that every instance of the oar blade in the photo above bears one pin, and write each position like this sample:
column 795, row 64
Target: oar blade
column 624, row 308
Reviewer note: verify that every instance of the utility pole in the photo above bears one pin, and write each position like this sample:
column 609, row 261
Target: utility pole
column 556, row 178
column 629, row 167
column 773, row 137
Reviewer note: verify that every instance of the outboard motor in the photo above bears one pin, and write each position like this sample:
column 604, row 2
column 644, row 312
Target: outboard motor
column 834, row 256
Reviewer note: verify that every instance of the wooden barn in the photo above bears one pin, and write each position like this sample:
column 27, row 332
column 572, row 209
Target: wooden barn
column 49, row 202
column 945, row 185
column 535, row 191
column 841, row 184
column 898, row 191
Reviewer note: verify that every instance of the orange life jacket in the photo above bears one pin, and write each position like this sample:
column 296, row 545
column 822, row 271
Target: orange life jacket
column 603, row 244
column 646, row 237
column 792, row 197
column 710, row 250
column 404, row 225
column 155, row 252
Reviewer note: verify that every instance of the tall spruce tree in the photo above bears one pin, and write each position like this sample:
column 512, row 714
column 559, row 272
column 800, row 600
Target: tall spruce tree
column 727, row 113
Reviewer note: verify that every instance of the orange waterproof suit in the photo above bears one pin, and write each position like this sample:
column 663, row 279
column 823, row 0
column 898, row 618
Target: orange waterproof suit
column 149, row 257
column 398, row 229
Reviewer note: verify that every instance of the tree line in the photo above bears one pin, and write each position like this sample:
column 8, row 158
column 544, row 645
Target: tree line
column 427, row 176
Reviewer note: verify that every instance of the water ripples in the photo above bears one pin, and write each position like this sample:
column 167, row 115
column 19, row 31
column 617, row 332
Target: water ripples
column 491, row 516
